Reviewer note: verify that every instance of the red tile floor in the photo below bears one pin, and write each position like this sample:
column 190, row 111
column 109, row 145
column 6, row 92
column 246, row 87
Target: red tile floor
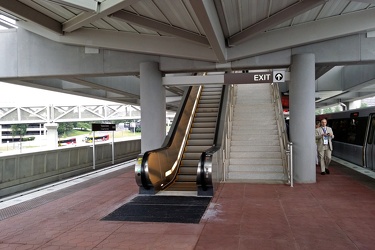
column 336, row 212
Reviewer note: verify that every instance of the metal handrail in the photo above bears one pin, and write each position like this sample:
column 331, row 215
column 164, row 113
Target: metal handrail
column 228, row 131
column 287, row 146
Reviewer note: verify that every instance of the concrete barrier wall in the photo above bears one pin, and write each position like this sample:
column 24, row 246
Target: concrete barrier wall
column 29, row 170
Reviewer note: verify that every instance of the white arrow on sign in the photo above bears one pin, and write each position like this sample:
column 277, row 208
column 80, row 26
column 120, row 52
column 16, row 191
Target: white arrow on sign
column 278, row 76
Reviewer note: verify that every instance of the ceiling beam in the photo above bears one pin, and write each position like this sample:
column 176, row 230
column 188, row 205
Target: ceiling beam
column 105, row 8
column 279, row 17
column 24, row 12
column 136, row 43
column 92, row 85
column 365, row 1
column 320, row 30
column 205, row 11
column 159, row 26
column 6, row 24
column 84, row 5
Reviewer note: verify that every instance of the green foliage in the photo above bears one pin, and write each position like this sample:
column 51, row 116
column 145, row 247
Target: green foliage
column 364, row 105
column 85, row 126
column 64, row 127
column 31, row 138
column 19, row 130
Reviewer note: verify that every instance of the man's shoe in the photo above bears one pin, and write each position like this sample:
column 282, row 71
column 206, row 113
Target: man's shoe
column 327, row 171
column 322, row 173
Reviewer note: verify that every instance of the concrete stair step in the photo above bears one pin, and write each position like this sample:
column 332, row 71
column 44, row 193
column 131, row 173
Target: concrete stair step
column 254, row 148
column 255, row 161
column 261, row 132
column 243, row 125
column 257, row 142
column 246, row 123
column 253, row 107
column 254, row 137
column 259, row 119
column 254, row 154
column 259, row 177
column 256, row 168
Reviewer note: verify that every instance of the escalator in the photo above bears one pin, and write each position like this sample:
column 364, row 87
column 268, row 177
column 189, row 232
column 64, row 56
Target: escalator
column 179, row 165
column 201, row 138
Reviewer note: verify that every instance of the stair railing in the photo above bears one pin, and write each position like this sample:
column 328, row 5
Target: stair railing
column 228, row 130
column 286, row 145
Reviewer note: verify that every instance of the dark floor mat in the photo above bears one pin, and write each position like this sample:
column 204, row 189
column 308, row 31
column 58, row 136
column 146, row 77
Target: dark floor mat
column 176, row 209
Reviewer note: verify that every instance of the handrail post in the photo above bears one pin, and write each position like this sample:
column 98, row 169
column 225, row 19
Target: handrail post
column 290, row 146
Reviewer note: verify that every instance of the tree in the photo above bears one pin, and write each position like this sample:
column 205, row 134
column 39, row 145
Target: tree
column 19, row 130
column 64, row 127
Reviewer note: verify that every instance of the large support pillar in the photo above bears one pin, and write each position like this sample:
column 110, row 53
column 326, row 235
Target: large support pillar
column 153, row 107
column 302, row 117
column 52, row 135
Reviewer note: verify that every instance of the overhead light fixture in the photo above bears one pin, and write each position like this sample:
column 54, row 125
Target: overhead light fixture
column 85, row 5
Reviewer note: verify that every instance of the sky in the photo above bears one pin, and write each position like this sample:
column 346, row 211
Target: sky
column 16, row 95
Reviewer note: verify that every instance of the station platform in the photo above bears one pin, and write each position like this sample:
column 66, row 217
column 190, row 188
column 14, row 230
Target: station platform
column 336, row 212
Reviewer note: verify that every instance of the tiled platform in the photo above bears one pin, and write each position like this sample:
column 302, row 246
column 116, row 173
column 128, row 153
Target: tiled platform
column 337, row 212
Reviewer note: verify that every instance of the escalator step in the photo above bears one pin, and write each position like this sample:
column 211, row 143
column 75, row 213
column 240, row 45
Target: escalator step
column 205, row 115
column 182, row 186
column 197, row 148
column 204, row 124
column 202, row 130
column 186, row 178
column 192, row 156
column 187, row 162
column 199, row 142
column 188, row 170
column 205, row 119
column 197, row 136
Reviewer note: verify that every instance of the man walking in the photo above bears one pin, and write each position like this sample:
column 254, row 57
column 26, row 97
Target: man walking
column 324, row 136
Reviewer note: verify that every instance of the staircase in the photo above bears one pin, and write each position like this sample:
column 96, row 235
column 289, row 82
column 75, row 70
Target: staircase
column 255, row 152
column 200, row 139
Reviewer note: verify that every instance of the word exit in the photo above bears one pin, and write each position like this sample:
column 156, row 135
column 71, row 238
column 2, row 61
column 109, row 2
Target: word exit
column 262, row 77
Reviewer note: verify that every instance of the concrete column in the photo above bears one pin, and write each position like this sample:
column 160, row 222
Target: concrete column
column 52, row 135
column 153, row 106
column 302, row 117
